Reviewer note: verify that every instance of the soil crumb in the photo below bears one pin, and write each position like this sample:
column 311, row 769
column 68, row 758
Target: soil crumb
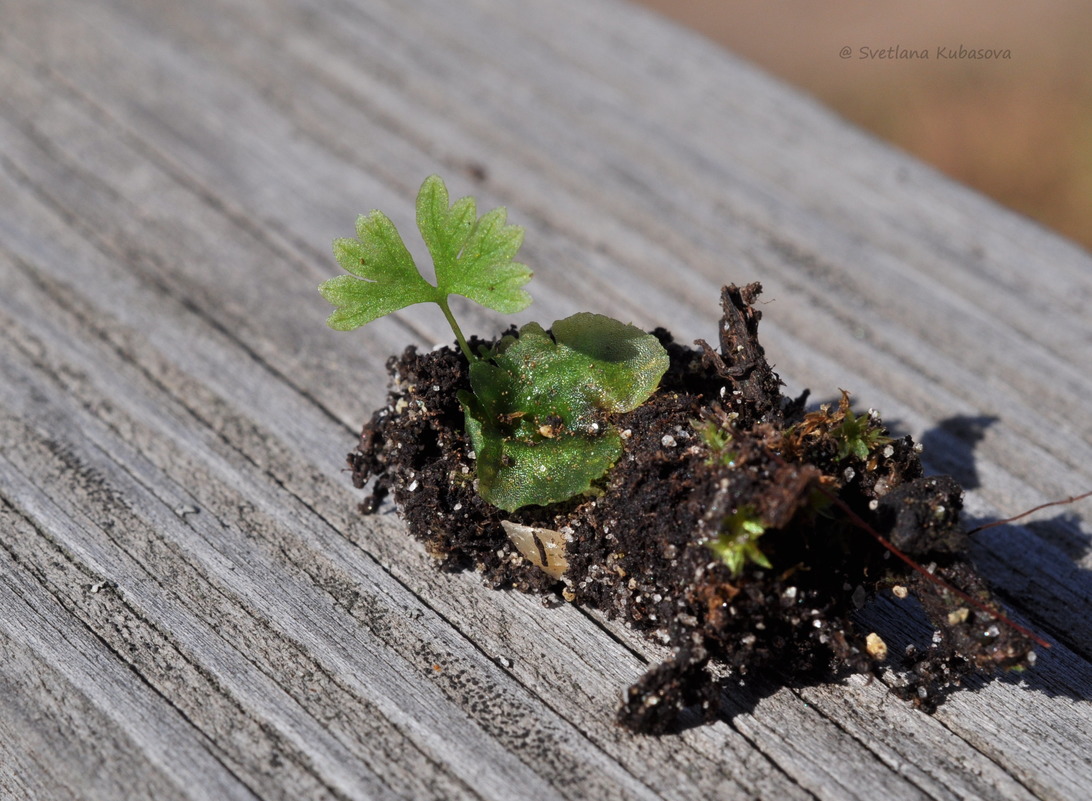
column 737, row 528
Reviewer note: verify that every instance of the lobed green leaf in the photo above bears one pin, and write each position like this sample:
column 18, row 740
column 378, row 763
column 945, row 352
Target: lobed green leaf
column 382, row 279
column 444, row 228
column 473, row 257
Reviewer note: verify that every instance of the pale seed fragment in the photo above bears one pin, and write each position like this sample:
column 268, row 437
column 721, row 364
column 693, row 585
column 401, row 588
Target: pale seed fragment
column 542, row 547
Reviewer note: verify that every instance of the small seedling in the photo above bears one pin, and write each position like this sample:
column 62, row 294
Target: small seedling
column 850, row 434
column 718, row 439
column 537, row 414
column 737, row 542
column 857, row 435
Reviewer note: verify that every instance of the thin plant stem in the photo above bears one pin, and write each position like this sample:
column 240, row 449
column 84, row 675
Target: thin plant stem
column 455, row 328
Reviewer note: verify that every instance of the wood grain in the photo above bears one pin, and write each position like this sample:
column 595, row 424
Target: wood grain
column 192, row 607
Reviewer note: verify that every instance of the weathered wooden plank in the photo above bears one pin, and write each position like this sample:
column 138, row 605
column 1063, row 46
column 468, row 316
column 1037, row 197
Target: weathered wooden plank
column 184, row 170
column 75, row 722
column 148, row 628
column 183, row 487
column 133, row 539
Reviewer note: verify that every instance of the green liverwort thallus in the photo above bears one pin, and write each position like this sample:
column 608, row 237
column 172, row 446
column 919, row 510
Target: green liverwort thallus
column 536, row 418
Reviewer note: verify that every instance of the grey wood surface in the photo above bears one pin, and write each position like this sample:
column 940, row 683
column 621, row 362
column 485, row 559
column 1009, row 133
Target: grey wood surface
column 190, row 608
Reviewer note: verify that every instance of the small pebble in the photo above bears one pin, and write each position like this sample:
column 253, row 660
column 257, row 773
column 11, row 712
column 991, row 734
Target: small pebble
column 875, row 646
column 958, row 616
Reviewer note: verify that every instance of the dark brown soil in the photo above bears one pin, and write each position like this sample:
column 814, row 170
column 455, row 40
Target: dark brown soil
column 638, row 548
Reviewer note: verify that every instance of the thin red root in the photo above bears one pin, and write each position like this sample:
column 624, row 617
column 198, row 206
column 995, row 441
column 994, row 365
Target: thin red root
column 861, row 523
column 1074, row 499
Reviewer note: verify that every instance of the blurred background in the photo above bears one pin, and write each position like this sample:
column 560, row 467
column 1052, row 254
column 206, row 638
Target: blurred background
column 1018, row 129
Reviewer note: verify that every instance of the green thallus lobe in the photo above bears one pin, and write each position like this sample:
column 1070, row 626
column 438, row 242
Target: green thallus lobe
column 536, row 418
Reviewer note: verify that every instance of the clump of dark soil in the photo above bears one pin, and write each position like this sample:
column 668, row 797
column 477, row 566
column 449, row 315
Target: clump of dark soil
column 716, row 447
